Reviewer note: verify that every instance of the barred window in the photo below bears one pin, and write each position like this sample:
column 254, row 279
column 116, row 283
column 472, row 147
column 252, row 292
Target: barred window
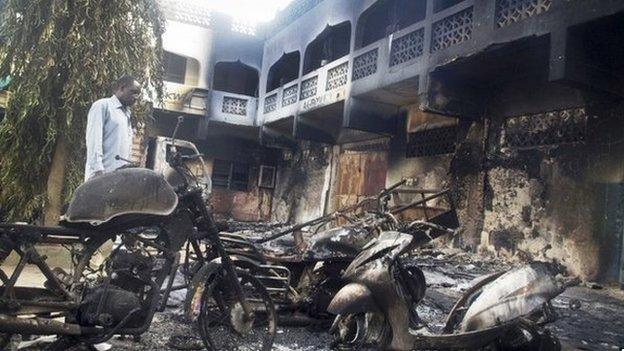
column 230, row 175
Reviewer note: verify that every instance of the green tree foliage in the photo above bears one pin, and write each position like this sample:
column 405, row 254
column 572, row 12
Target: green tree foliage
column 62, row 55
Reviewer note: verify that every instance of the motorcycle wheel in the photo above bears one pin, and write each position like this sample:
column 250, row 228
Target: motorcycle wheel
column 350, row 333
column 222, row 323
column 5, row 341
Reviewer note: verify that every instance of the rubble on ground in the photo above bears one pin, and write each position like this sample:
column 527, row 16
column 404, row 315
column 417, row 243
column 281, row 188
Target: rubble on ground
column 589, row 319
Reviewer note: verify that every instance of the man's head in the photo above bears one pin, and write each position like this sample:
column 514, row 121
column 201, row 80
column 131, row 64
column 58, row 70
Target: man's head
column 127, row 90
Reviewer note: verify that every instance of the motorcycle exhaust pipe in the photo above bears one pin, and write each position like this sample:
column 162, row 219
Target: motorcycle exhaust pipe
column 40, row 326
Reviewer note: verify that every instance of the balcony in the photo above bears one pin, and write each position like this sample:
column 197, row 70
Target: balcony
column 233, row 108
column 184, row 99
column 456, row 49
column 393, row 70
column 323, row 90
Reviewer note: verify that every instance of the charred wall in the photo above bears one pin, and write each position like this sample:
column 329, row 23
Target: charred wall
column 553, row 177
column 253, row 202
column 538, row 172
column 303, row 182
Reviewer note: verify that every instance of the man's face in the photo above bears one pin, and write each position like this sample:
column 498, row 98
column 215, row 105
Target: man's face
column 129, row 93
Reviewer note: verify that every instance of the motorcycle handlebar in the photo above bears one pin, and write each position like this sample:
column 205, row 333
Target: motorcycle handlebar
column 129, row 164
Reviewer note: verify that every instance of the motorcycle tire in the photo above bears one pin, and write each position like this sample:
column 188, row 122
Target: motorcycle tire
column 222, row 324
column 5, row 341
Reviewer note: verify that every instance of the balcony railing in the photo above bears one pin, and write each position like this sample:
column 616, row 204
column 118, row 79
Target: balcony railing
column 233, row 108
column 321, row 87
column 185, row 98
column 511, row 11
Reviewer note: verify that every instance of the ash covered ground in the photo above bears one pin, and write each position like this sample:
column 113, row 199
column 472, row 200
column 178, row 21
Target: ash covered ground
column 597, row 325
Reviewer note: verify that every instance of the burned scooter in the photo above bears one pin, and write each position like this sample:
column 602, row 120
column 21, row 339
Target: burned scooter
column 377, row 307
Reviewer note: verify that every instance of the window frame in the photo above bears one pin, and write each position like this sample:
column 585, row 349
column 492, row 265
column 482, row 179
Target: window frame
column 231, row 183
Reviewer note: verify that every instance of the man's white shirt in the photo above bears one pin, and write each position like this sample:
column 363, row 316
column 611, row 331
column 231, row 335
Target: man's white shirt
column 109, row 134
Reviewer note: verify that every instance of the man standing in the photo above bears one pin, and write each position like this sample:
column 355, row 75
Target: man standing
column 109, row 128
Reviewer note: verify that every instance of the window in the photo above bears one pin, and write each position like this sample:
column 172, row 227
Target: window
column 230, row 175
column 175, row 67
column 267, row 177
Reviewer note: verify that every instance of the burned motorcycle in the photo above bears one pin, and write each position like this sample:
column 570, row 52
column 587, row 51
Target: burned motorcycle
column 301, row 282
column 377, row 307
column 120, row 296
column 303, row 275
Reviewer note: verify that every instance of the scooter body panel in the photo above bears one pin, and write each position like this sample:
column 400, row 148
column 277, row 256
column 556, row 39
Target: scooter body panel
column 516, row 293
column 371, row 270
column 353, row 298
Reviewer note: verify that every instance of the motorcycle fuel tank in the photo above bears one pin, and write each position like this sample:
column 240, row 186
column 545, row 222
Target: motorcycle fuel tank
column 136, row 191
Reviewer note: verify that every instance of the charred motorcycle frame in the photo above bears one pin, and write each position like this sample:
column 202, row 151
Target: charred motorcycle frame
column 120, row 296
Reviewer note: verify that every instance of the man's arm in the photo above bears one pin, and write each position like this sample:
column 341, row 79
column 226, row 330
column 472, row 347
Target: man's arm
column 94, row 138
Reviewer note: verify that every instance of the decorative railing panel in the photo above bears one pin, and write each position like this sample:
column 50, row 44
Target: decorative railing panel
column 337, row 76
column 243, row 27
column 365, row 64
column 195, row 13
column 293, row 11
column 437, row 141
column 234, row 106
column 289, row 96
column 548, row 128
column 308, row 88
column 270, row 103
column 452, row 30
column 511, row 11
column 407, row 47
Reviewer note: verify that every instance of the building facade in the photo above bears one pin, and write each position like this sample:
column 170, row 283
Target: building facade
column 516, row 105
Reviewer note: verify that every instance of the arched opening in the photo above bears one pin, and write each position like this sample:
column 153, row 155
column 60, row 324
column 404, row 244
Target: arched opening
column 235, row 77
column 386, row 17
column 333, row 43
column 284, row 70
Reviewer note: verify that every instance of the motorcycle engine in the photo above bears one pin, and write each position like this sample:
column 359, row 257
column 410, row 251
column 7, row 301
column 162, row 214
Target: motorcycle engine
column 131, row 271
column 107, row 304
